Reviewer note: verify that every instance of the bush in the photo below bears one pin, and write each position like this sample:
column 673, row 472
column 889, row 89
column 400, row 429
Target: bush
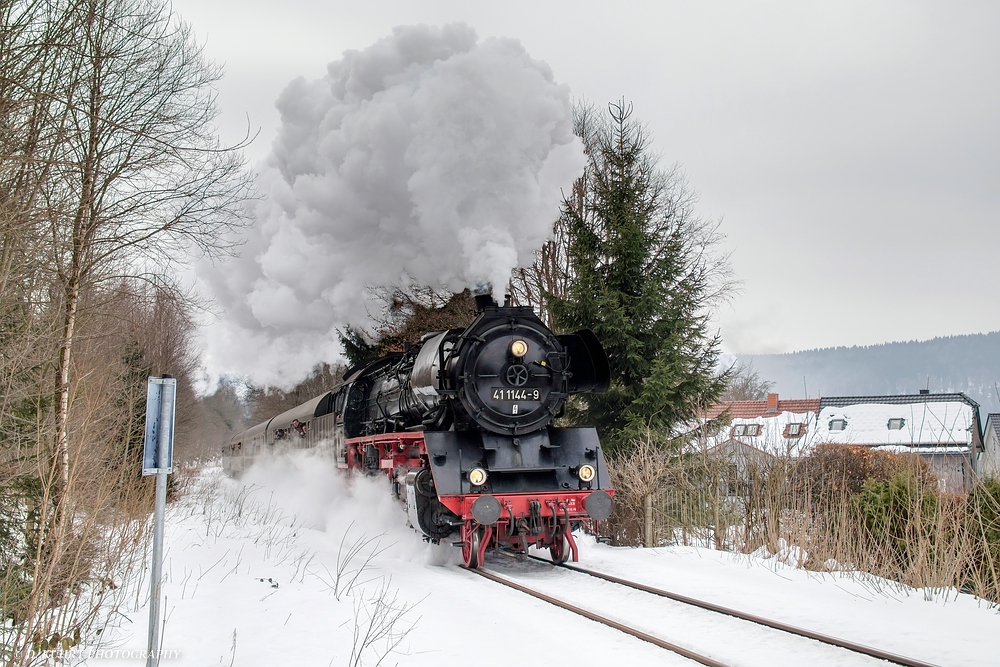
column 899, row 515
column 636, row 477
column 833, row 471
column 18, row 541
column 981, row 522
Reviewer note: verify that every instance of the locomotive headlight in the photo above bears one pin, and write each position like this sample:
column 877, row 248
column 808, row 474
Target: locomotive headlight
column 477, row 477
column 519, row 348
column 586, row 473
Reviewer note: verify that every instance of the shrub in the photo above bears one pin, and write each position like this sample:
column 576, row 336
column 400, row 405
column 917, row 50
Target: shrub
column 18, row 541
column 981, row 522
column 833, row 471
column 899, row 514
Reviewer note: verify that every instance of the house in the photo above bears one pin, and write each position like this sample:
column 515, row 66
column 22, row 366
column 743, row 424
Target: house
column 772, row 427
column 989, row 460
column 944, row 429
column 757, row 433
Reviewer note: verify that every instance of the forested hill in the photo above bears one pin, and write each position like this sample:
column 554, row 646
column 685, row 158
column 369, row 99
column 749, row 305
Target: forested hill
column 969, row 364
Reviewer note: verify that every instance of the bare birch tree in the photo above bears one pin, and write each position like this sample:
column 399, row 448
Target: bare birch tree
column 110, row 175
column 142, row 177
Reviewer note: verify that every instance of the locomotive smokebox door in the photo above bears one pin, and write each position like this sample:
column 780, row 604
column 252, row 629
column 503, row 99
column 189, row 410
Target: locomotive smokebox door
column 510, row 372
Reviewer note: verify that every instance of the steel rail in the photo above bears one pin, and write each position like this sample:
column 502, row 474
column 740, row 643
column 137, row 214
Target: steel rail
column 680, row 650
column 760, row 620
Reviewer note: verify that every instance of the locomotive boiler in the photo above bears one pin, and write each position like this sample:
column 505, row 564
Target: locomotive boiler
column 461, row 423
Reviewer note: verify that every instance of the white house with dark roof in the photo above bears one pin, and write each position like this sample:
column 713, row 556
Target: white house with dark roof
column 944, row 429
column 989, row 460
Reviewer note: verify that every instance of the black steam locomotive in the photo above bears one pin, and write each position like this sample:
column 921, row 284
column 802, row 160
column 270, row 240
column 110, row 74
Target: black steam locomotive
column 461, row 424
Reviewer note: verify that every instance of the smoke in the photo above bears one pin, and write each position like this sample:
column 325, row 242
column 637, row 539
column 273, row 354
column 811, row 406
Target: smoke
column 429, row 157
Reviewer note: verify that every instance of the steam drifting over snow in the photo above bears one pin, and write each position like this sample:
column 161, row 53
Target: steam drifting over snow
column 307, row 485
column 429, row 156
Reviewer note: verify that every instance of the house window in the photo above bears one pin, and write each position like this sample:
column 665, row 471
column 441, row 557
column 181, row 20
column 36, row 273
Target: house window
column 747, row 430
column 896, row 424
column 838, row 424
column 795, row 430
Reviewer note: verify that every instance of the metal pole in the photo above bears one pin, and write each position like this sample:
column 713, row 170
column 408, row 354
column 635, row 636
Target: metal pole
column 164, row 435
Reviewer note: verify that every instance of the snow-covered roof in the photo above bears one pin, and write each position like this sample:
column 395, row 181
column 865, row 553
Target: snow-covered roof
column 775, row 434
column 876, row 421
column 898, row 423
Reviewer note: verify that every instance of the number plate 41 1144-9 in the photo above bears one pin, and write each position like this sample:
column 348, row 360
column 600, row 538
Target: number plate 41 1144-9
column 505, row 394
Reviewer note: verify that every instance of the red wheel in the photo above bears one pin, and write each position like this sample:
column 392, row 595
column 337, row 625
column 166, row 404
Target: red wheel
column 559, row 551
column 470, row 548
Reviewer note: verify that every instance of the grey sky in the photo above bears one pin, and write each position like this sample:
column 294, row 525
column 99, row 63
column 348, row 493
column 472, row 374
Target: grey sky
column 852, row 149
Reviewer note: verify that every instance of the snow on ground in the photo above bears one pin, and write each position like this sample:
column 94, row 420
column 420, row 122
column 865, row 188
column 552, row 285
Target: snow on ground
column 252, row 579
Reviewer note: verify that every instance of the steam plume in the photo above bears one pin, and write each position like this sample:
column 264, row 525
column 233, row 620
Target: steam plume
column 429, row 156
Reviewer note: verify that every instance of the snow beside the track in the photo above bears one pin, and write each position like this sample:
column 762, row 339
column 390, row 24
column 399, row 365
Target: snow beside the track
column 252, row 564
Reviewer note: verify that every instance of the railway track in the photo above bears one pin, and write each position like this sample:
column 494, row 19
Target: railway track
column 680, row 650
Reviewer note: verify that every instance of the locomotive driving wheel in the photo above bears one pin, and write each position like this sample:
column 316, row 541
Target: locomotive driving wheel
column 473, row 538
column 560, row 550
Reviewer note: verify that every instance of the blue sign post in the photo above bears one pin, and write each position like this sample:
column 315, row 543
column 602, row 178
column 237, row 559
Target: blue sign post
column 159, row 421
column 157, row 459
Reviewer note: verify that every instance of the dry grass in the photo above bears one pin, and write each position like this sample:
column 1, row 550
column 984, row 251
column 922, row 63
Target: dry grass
column 53, row 597
column 843, row 508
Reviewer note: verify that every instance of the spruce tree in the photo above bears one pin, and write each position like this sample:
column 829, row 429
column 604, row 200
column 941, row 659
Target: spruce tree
column 643, row 273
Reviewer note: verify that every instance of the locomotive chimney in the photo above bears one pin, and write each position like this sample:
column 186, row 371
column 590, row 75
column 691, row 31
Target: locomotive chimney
column 484, row 301
column 507, row 301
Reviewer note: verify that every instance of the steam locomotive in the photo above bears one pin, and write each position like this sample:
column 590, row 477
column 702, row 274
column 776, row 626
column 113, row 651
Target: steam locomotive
column 461, row 424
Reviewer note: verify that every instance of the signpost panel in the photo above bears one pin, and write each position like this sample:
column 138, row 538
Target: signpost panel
column 156, row 390
column 157, row 459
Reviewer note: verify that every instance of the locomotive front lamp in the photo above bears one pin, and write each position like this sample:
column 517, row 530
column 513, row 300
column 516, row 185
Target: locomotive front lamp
column 519, row 348
column 477, row 477
column 586, row 473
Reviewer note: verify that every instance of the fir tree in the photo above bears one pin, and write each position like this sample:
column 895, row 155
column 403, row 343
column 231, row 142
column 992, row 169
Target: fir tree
column 642, row 275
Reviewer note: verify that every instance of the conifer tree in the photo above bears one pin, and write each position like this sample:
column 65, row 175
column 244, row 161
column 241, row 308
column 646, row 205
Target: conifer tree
column 643, row 273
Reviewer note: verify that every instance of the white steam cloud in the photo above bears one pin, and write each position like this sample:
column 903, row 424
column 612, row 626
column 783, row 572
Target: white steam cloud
column 429, row 156
column 308, row 486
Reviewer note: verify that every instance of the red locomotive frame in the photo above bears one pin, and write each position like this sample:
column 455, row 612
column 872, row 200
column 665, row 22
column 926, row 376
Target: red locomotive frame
column 539, row 519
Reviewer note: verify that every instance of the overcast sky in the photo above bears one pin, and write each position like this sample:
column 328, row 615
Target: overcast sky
column 851, row 149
